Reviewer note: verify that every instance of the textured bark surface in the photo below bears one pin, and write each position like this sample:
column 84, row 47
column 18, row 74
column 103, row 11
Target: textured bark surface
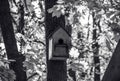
column 97, row 65
column 10, row 41
column 96, row 57
column 112, row 72
column 95, row 47
column 56, row 70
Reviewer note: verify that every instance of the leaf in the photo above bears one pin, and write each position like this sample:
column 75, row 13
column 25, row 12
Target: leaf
column 7, row 74
column 115, row 27
column 56, row 10
column 108, row 45
column 91, row 4
column 11, row 75
column 28, row 65
column 98, row 16
column 2, row 46
column 60, row 1
column 1, row 63
column 116, row 37
column 50, row 10
column 56, row 13
column 109, row 14
column 70, row 1
column 27, row 3
column 112, row 15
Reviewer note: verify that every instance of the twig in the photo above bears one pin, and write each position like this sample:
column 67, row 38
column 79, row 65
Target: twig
column 32, row 76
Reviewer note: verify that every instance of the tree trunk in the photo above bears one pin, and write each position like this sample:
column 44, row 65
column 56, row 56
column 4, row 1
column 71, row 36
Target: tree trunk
column 112, row 72
column 10, row 41
column 21, row 18
column 56, row 70
column 95, row 47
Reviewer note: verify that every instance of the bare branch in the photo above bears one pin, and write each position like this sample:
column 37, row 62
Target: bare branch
column 32, row 76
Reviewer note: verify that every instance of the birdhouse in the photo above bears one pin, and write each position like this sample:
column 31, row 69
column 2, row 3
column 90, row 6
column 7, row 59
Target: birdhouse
column 59, row 44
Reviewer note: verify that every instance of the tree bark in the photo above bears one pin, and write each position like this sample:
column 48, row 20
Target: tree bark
column 112, row 72
column 56, row 70
column 95, row 47
column 21, row 18
column 10, row 41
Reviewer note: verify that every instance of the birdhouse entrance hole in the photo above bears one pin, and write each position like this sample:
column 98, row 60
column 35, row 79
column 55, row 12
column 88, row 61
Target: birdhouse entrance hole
column 60, row 41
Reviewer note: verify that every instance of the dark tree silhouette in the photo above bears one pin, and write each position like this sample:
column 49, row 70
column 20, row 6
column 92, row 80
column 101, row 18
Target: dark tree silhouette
column 10, row 41
column 113, row 70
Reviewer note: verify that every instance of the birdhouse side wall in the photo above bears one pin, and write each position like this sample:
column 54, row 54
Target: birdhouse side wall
column 50, row 48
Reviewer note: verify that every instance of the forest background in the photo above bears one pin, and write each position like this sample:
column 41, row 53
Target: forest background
column 95, row 34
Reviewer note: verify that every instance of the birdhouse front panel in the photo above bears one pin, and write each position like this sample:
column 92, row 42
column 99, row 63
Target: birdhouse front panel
column 61, row 51
column 61, row 34
column 59, row 45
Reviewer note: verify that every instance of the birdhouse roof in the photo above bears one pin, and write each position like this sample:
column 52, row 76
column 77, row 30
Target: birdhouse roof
column 58, row 29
